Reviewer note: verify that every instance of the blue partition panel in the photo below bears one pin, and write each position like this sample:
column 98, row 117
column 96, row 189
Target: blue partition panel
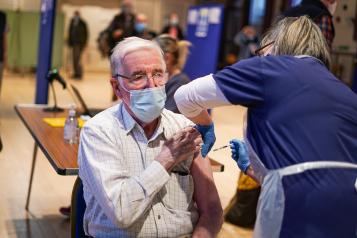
column 48, row 12
column 204, row 27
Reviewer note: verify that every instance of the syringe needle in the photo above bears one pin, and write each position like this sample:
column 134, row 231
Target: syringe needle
column 222, row 147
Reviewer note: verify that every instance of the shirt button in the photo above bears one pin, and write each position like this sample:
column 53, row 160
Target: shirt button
column 159, row 217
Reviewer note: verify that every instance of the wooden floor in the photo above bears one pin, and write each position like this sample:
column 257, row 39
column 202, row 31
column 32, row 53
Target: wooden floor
column 50, row 191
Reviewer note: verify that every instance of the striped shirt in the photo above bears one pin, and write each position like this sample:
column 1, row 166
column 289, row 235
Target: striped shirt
column 127, row 192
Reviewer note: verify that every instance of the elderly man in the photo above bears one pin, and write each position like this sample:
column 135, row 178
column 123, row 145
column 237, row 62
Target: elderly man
column 142, row 172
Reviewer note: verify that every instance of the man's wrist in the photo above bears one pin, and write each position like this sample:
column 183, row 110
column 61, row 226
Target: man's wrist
column 167, row 163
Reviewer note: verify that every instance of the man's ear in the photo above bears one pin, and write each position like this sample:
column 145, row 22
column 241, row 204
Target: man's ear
column 115, row 85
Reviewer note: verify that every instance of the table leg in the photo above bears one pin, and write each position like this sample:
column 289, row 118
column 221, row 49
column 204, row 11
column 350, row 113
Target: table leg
column 31, row 176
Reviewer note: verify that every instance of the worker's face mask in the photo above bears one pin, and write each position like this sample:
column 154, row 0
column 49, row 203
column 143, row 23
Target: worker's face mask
column 147, row 104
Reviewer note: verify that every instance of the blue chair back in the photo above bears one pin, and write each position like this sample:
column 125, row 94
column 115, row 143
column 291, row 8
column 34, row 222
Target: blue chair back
column 78, row 207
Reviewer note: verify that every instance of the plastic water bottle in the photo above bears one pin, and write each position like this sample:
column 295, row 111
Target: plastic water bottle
column 70, row 131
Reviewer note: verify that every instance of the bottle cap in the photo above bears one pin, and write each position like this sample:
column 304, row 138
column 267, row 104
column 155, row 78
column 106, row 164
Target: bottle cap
column 72, row 112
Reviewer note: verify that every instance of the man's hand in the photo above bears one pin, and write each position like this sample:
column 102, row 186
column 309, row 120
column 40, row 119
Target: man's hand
column 209, row 138
column 181, row 146
column 240, row 154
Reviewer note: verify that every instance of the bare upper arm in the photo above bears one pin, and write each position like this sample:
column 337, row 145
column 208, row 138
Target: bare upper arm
column 205, row 191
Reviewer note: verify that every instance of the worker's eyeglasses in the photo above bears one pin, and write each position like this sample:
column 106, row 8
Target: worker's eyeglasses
column 259, row 51
column 140, row 80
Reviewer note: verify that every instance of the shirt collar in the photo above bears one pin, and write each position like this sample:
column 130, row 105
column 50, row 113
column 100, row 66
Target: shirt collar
column 129, row 123
column 309, row 56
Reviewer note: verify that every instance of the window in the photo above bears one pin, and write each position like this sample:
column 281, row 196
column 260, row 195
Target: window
column 257, row 11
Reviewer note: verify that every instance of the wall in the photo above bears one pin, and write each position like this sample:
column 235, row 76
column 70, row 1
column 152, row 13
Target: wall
column 344, row 47
column 24, row 5
column 23, row 39
column 98, row 14
column 98, row 18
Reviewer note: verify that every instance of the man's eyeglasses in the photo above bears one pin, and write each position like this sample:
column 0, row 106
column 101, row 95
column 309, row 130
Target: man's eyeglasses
column 140, row 80
column 259, row 51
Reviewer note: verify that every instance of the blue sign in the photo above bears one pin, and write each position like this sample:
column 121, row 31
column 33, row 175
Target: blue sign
column 44, row 60
column 204, row 26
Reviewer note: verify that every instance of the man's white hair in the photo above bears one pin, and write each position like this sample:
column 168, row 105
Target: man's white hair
column 128, row 45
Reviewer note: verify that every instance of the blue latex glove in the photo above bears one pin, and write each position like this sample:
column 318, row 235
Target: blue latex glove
column 240, row 154
column 208, row 137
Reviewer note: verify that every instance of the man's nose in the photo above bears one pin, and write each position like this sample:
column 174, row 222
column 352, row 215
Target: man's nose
column 150, row 81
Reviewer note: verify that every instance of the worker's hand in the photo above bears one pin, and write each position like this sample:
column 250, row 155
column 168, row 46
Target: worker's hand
column 182, row 146
column 208, row 136
column 240, row 154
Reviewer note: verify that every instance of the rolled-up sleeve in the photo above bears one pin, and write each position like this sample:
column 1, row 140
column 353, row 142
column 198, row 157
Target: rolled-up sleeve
column 200, row 94
column 123, row 198
column 241, row 83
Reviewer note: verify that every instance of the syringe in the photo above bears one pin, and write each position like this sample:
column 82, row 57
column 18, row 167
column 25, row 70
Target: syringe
column 222, row 147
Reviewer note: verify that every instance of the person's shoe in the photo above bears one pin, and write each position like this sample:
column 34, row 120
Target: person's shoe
column 65, row 211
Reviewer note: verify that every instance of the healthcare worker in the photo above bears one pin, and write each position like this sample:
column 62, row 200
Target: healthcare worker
column 301, row 134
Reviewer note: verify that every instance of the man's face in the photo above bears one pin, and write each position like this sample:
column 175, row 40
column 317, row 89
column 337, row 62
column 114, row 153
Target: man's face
column 140, row 62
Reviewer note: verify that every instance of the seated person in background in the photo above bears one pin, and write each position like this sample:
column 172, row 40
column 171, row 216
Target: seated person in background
column 175, row 54
column 141, row 28
column 142, row 173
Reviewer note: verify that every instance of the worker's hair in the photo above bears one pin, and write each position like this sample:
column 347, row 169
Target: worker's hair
column 128, row 45
column 178, row 48
column 298, row 36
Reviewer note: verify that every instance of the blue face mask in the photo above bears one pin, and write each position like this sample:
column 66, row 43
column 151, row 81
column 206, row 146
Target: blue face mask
column 140, row 27
column 147, row 104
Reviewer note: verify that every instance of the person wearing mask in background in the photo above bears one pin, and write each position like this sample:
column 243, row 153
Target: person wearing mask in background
column 140, row 164
column 321, row 11
column 175, row 54
column 248, row 42
column 122, row 25
column 173, row 28
column 142, row 29
column 298, row 112
column 77, row 40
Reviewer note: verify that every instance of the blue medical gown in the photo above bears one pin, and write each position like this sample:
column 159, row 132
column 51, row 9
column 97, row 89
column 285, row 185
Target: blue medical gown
column 298, row 112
